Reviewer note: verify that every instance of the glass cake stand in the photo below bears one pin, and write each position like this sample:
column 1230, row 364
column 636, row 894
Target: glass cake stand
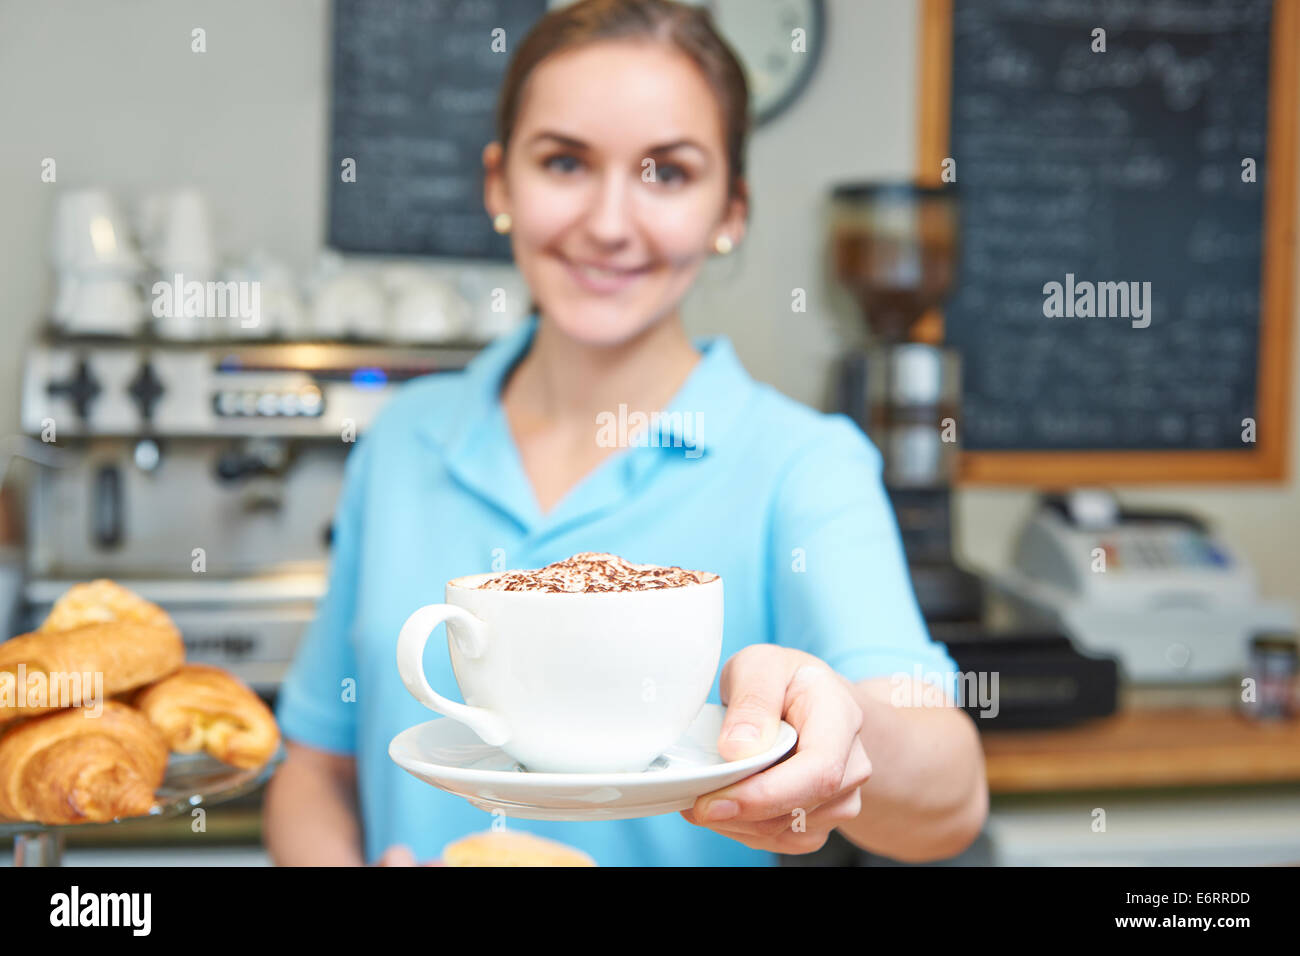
column 192, row 780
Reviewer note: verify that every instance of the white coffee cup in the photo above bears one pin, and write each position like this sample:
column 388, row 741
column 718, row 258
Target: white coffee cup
column 177, row 231
column 90, row 235
column 98, row 305
column 572, row 682
column 349, row 303
column 428, row 310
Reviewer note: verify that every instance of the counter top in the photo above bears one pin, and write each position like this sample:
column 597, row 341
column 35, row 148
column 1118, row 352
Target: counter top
column 1144, row 748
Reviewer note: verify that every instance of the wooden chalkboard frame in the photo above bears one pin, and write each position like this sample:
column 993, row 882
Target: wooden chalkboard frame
column 1268, row 460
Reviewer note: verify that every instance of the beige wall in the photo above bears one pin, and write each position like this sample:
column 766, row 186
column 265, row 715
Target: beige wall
column 113, row 93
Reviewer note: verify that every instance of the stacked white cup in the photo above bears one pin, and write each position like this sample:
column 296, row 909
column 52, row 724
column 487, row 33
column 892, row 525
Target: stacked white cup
column 176, row 231
column 97, row 267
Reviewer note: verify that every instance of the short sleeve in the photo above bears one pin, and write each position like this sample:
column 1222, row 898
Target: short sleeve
column 312, row 707
column 840, row 586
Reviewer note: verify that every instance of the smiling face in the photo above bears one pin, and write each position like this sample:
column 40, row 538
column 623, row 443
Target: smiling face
column 617, row 184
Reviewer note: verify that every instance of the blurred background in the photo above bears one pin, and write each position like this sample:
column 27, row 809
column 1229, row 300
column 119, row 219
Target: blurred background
column 1103, row 513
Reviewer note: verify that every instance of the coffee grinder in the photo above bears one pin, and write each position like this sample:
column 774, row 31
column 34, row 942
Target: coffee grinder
column 894, row 246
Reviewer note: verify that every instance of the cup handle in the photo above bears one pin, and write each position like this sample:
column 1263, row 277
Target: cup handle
column 490, row 727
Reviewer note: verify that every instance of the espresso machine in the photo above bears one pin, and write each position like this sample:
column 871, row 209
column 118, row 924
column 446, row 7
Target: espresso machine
column 203, row 476
column 894, row 247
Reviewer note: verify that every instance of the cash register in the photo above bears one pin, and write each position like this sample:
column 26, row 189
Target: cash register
column 1159, row 590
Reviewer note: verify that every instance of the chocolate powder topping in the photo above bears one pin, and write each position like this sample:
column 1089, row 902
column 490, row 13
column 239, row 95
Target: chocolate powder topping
column 592, row 572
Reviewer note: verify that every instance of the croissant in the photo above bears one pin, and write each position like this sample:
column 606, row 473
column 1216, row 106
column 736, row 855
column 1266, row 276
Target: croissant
column 103, row 602
column 206, row 708
column 72, row 767
column 45, row 671
column 510, row 848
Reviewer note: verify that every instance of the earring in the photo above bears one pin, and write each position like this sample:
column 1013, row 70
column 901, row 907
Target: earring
column 502, row 222
column 722, row 245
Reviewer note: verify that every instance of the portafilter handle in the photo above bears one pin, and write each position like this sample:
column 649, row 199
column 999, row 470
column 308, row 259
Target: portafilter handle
column 252, row 458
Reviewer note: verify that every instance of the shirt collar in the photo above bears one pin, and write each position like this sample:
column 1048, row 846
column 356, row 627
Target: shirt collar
column 696, row 422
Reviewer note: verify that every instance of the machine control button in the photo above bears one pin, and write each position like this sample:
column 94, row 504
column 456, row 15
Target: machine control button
column 306, row 402
column 227, row 403
column 81, row 389
column 147, row 454
column 146, row 389
column 310, row 401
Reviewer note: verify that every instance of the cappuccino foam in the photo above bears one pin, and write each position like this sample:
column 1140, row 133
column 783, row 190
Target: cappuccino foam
column 593, row 572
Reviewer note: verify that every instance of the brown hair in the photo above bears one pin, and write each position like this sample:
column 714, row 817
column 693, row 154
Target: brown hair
column 689, row 29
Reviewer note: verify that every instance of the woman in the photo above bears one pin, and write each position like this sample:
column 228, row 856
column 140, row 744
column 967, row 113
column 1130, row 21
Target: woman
column 618, row 171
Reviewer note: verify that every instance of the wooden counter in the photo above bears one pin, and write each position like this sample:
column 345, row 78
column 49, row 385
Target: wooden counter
column 1144, row 748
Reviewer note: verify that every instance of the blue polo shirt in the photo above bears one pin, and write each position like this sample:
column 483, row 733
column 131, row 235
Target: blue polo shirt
column 784, row 502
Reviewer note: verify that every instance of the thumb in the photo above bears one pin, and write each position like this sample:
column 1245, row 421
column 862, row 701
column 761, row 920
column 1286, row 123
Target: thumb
column 754, row 690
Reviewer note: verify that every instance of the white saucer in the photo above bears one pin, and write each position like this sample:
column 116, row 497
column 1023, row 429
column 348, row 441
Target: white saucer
column 451, row 757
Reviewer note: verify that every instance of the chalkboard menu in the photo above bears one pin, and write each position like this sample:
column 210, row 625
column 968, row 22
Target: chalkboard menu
column 1113, row 206
column 415, row 85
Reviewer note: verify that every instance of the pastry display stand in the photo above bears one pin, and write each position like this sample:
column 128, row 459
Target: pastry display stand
column 192, row 780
